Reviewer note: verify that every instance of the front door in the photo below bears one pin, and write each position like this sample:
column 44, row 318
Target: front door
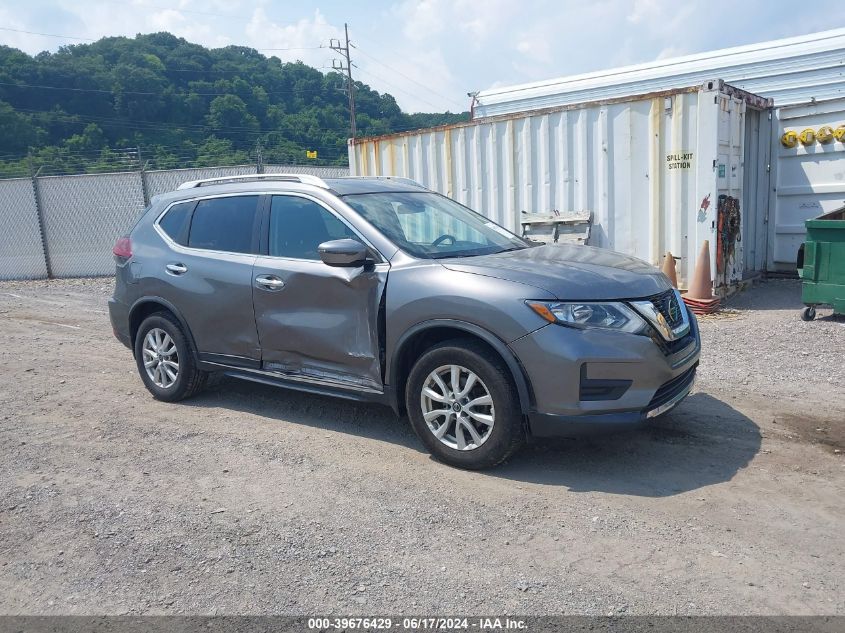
column 316, row 321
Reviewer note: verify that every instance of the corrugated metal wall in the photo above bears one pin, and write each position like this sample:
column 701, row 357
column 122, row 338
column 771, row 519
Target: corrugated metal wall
column 789, row 71
column 641, row 167
column 809, row 179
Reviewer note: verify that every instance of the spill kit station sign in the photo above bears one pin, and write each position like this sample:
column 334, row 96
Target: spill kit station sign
column 679, row 160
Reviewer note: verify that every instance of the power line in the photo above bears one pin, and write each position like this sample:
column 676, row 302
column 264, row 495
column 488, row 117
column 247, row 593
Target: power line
column 64, row 37
column 194, row 127
column 399, row 72
column 147, row 94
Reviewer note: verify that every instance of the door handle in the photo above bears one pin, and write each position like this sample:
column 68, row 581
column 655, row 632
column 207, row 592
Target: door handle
column 269, row 282
column 176, row 269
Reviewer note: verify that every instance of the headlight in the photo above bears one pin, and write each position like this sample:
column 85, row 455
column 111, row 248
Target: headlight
column 583, row 314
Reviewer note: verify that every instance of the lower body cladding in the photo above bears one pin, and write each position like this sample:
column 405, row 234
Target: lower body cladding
column 596, row 380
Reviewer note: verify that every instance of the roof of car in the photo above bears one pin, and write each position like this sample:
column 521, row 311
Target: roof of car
column 370, row 184
column 340, row 186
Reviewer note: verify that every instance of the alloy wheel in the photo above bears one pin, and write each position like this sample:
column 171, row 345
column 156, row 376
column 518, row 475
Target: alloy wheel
column 161, row 359
column 457, row 407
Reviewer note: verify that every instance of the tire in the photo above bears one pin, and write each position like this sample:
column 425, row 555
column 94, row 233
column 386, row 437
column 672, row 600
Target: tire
column 189, row 379
column 492, row 378
column 808, row 313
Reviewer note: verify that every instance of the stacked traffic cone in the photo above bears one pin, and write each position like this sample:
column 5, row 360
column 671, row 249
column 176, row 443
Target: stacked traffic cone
column 669, row 269
column 699, row 298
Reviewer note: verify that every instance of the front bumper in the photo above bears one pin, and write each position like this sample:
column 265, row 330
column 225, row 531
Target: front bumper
column 594, row 381
column 549, row 425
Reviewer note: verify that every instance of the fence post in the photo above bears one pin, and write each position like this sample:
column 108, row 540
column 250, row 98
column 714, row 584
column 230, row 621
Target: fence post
column 259, row 159
column 144, row 186
column 39, row 212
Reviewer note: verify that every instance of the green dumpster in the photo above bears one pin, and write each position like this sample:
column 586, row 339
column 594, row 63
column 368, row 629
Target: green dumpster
column 823, row 271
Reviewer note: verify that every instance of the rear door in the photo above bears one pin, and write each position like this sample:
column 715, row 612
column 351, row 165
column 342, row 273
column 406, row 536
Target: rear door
column 316, row 321
column 208, row 273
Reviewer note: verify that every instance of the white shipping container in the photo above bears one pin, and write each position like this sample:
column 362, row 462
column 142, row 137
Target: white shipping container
column 650, row 168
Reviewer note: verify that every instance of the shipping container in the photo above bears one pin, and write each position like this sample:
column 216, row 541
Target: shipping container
column 809, row 176
column 655, row 171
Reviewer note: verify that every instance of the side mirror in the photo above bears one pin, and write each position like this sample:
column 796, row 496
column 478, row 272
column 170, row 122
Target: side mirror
column 344, row 252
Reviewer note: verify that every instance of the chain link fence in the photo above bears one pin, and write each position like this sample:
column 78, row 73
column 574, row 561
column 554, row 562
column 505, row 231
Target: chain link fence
column 66, row 226
column 21, row 246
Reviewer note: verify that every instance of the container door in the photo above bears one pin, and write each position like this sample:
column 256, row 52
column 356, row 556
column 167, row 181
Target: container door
column 755, row 189
column 729, row 212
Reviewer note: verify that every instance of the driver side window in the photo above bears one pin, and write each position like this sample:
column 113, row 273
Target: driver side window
column 298, row 226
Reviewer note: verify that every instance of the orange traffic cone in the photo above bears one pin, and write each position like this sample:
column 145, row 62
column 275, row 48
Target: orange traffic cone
column 701, row 285
column 669, row 269
column 699, row 298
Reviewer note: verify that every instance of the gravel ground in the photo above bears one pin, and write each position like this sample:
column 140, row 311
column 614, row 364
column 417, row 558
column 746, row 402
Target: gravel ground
column 249, row 499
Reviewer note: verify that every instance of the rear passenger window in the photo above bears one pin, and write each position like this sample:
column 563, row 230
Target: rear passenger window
column 175, row 222
column 225, row 224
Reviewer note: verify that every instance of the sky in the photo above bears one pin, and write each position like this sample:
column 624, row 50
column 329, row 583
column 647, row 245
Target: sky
column 430, row 53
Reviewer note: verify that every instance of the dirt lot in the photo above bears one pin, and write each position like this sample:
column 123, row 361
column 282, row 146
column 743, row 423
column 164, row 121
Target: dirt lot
column 252, row 499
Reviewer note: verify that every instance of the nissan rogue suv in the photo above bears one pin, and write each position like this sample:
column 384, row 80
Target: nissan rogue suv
column 376, row 289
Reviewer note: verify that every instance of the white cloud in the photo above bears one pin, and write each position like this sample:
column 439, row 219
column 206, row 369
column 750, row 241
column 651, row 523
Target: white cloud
column 302, row 38
column 179, row 24
column 424, row 19
column 643, row 10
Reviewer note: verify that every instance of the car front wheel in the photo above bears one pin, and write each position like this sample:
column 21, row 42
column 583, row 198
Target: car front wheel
column 463, row 405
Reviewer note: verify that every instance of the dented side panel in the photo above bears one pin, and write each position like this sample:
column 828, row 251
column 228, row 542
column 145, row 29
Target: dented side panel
column 323, row 323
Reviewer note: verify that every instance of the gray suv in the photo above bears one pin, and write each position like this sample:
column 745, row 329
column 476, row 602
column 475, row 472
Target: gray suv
column 376, row 289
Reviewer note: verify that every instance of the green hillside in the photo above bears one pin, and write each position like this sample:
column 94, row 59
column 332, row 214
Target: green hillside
column 97, row 107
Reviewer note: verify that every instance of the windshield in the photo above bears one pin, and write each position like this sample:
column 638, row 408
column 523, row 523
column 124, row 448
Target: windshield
column 431, row 226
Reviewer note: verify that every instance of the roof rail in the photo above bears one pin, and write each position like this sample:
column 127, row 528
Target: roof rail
column 305, row 179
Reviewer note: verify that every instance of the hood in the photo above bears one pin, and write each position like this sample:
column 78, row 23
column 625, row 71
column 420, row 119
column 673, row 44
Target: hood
column 570, row 271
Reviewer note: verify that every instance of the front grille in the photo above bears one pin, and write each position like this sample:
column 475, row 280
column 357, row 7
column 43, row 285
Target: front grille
column 673, row 347
column 672, row 388
column 668, row 305
column 672, row 311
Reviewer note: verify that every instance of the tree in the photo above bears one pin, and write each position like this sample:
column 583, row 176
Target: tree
column 228, row 117
column 17, row 132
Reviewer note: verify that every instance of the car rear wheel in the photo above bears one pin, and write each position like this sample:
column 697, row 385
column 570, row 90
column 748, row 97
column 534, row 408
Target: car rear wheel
column 165, row 359
column 463, row 405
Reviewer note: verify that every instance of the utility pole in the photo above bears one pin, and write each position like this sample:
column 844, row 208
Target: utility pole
column 339, row 66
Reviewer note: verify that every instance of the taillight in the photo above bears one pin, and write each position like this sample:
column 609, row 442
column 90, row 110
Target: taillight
column 123, row 248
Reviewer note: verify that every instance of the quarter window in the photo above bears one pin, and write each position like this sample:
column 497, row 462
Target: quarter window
column 298, row 226
column 225, row 224
column 175, row 222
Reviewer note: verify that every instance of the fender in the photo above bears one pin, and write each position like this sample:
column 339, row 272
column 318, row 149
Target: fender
column 165, row 304
column 522, row 386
